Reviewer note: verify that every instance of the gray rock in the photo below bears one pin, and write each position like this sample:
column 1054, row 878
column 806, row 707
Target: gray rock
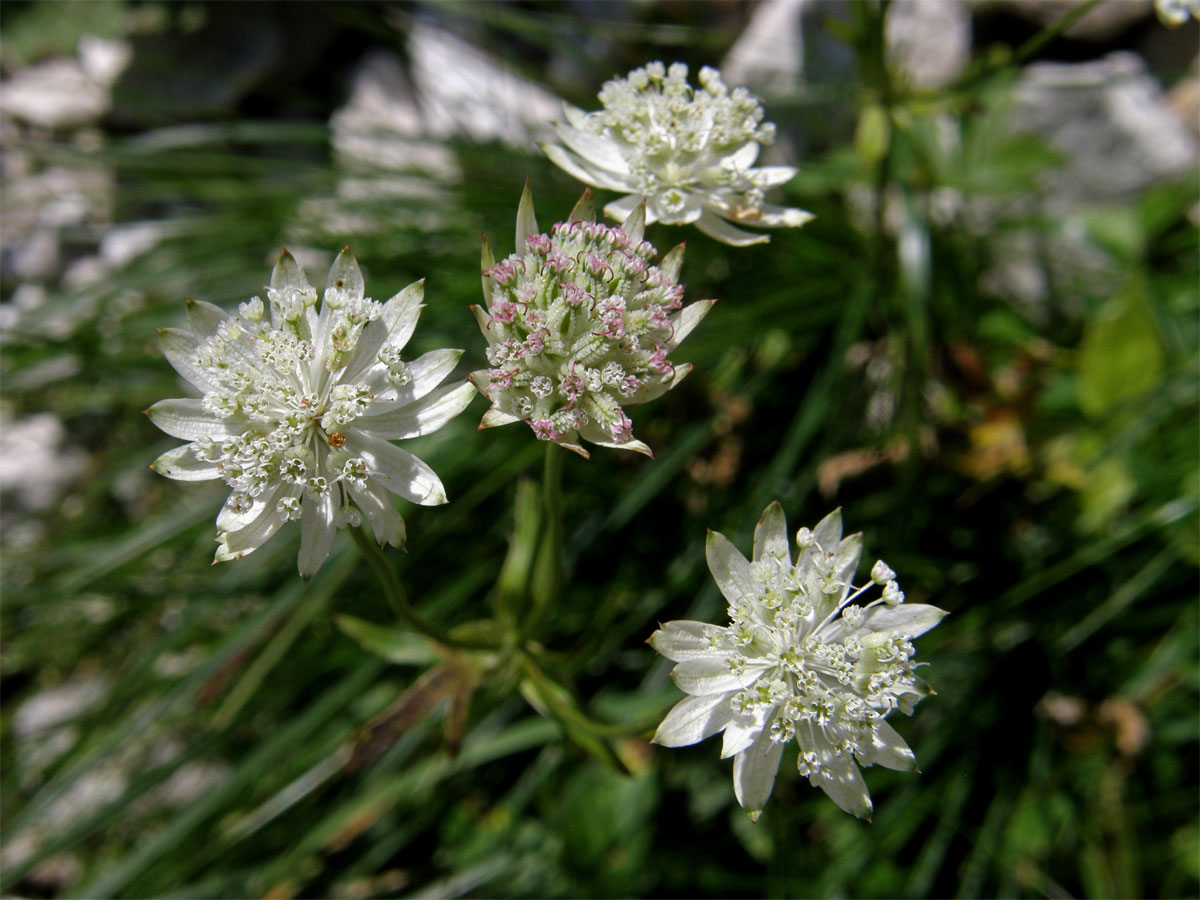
column 34, row 466
column 56, row 706
column 768, row 57
column 1113, row 124
column 929, row 41
column 54, row 94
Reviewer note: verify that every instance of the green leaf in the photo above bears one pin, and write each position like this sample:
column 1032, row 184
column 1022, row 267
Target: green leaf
column 873, row 135
column 1121, row 356
column 1118, row 230
column 404, row 648
column 1107, row 490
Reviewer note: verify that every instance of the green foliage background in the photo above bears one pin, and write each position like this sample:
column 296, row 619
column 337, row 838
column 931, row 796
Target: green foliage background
column 1038, row 479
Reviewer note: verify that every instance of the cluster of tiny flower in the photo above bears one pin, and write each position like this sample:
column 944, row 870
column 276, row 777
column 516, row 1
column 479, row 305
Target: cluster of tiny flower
column 778, row 626
column 799, row 660
column 687, row 153
column 579, row 323
column 298, row 406
column 658, row 114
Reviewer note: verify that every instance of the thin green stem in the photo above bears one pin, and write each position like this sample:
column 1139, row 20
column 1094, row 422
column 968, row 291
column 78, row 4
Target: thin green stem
column 398, row 600
column 552, row 511
column 572, row 712
column 546, row 579
column 1055, row 29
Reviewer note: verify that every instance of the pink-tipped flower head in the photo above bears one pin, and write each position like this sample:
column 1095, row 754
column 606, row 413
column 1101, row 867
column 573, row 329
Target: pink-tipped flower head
column 579, row 322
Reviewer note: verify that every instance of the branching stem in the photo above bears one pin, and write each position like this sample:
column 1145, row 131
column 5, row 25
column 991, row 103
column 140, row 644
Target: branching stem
column 398, row 600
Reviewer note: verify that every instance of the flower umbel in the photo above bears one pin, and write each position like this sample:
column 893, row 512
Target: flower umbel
column 688, row 153
column 299, row 408
column 799, row 660
column 579, row 323
column 1175, row 12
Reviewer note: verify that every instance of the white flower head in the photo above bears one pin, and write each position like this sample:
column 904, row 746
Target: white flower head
column 579, row 323
column 801, row 659
column 687, row 153
column 1174, row 13
column 300, row 403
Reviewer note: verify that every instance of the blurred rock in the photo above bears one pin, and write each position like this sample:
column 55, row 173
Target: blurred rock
column 38, row 205
column 189, row 783
column 391, row 136
column 120, row 245
column 768, row 57
column 56, row 706
column 929, row 41
column 35, row 257
column 54, row 197
column 1018, row 271
column 65, row 93
column 55, row 94
column 789, row 50
column 381, row 124
column 34, row 469
column 451, row 89
column 1118, row 135
column 103, row 59
column 1113, row 124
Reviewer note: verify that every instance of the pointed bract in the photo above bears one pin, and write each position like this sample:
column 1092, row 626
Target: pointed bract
column 585, row 209
column 635, row 223
column 345, row 279
column 526, row 221
column 487, row 260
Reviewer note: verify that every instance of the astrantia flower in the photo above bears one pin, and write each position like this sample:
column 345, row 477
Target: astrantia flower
column 579, row 323
column 1176, row 12
column 800, row 659
column 299, row 407
column 688, row 153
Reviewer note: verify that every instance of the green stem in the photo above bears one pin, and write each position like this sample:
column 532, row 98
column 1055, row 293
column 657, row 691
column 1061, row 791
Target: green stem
column 398, row 600
column 985, row 70
column 547, row 576
column 572, row 712
column 1053, row 30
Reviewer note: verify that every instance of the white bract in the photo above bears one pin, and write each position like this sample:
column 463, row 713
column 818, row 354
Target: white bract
column 579, row 323
column 299, row 407
column 800, row 659
column 687, row 153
